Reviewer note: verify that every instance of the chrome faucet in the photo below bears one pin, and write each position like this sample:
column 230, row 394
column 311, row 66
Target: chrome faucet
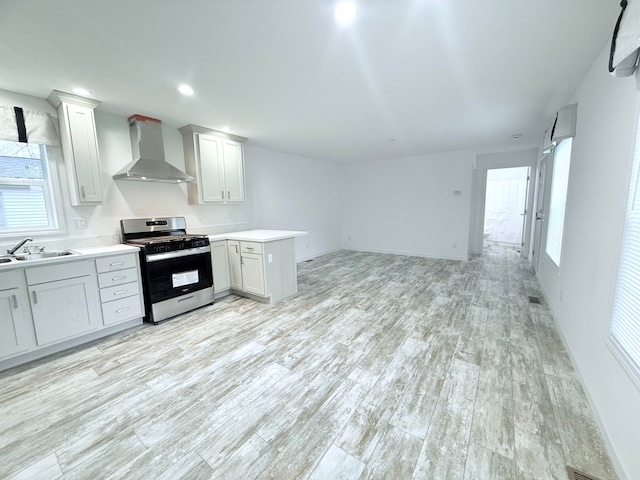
column 22, row 242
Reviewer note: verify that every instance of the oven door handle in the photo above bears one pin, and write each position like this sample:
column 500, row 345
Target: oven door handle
column 156, row 257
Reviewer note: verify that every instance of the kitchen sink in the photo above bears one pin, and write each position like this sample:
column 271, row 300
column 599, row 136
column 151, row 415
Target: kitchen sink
column 38, row 256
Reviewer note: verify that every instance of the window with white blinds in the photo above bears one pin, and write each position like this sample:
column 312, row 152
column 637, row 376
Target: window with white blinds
column 558, row 201
column 625, row 320
column 26, row 202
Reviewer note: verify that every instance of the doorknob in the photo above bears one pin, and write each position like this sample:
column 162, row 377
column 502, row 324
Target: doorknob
column 539, row 216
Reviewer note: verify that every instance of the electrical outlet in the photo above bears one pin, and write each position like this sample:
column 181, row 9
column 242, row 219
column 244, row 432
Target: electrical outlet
column 79, row 223
column 270, row 258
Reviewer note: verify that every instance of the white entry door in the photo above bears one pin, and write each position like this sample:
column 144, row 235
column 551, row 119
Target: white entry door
column 540, row 232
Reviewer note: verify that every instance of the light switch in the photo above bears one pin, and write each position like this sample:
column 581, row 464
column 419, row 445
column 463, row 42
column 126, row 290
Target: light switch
column 270, row 258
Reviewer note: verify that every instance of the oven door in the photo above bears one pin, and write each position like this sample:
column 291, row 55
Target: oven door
column 172, row 274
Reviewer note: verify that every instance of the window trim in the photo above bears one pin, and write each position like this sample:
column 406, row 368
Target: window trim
column 631, row 368
column 53, row 200
column 564, row 217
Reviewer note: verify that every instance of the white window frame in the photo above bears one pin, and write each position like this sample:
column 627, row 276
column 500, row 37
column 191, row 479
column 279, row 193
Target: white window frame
column 624, row 327
column 566, row 143
column 51, row 197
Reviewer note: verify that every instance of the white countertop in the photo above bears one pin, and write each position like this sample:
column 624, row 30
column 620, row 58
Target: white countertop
column 258, row 235
column 106, row 249
column 87, row 252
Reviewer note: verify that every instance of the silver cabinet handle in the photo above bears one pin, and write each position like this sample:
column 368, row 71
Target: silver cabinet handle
column 15, row 301
column 115, row 279
column 241, row 260
column 228, row 195
column 82, row 192
column 236, row 246
column 222, row 194
column 35, row 297
column 121, row 292
column 120, row 310
column 249, row 248
column 116, row 264
column 186, row 298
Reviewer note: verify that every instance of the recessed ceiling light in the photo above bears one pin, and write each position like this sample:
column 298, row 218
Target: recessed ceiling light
column 345, row 13
column 81, row 91
column 185, row 90
column 516, row 136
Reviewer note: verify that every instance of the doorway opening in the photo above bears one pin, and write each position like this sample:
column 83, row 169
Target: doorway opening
column 505, row 209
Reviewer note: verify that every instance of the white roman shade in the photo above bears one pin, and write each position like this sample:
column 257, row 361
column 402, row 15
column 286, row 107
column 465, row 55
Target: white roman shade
column 625, row 44
column 563, row 127
column 20, row 125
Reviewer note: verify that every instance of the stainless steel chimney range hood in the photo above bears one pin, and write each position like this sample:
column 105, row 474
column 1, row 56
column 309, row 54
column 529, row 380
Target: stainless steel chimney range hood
column 148, row 163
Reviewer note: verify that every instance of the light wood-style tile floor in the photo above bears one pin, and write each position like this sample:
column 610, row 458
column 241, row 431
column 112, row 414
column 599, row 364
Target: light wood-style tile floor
column 382, row 366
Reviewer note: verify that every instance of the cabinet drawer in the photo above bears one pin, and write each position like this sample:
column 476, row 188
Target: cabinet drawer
column 251, row 247
column 119, row 291
column 121, row 310
column 60, row 271
column 109, row 279
column 117, row 262
column 9, row 280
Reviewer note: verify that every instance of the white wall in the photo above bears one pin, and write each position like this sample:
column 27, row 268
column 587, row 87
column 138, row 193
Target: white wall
column 580, row 293
column 126, row 199
column 296, row 193
column 407, row 206
column 485, row 162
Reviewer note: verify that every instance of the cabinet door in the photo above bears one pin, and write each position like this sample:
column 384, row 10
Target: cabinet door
column 211, row 169
column 82, row 155
column 64, row 309
column 235, row 269
column 233, row 171
column 220, row 263
column 11, row 323
column 253, row 273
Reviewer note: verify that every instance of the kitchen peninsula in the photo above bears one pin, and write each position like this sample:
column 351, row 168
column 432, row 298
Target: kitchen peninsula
column 258, row 264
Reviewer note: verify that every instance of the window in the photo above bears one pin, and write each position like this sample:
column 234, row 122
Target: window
column 26, row 201
column 558, row 202
column 625, row 320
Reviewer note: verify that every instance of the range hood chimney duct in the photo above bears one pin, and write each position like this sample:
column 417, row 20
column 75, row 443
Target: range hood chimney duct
column 148, row 163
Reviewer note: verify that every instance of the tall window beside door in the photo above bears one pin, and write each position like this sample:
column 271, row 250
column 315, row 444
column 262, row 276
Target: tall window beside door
column 625, row 320
column 26, row 200
column 558, row 201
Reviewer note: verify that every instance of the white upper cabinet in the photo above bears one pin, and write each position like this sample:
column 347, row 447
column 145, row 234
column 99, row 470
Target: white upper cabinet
column 79, row 147
column 216, row 161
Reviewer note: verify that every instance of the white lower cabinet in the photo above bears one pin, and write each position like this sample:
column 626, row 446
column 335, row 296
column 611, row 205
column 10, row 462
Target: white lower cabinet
column 235, row 268
column 47, row 308
column 252, row 273
column 64, row 300
column 15, row 333
column 120, row 288
column 246, row 268
column 263, row 269
column 220, row 264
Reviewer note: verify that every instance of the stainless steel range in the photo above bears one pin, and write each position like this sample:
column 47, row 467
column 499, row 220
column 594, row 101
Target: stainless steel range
column 176, row 266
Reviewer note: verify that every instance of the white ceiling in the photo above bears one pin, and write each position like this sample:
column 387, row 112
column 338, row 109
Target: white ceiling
column 434, row 75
